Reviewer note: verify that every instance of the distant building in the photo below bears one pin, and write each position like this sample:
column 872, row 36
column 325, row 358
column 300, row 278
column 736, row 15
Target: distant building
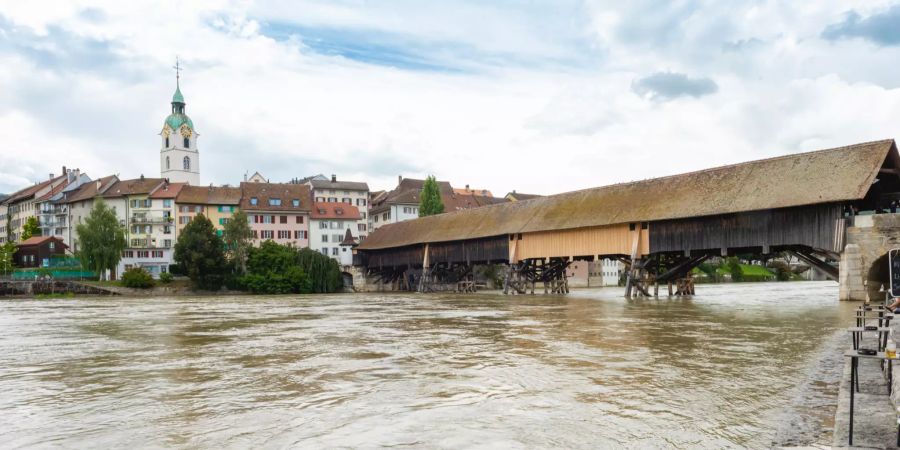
column 354, row 193
column 402, row 203
column 22, row 205
column 79, row 204
column 257, row 178
column 149, row 233
column 277, row 212
column 517, row 196
column 52, row 209
column 37, row 250
column 179, row 158
column 330, row 224
column 217, row 203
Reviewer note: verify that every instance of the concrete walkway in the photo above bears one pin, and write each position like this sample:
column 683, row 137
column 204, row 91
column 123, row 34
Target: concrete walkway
column 875, row 421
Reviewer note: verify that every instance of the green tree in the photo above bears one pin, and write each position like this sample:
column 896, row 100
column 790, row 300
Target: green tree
column 734, row 268
column 31, row 228
column 201, row 253
column 275, row 269
column 430, row 201
column 238, row 240
column 101, row 239
column 7, row 251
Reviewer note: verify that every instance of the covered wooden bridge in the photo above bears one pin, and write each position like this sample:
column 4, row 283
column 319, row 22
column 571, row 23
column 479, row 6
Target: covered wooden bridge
column 661, row 228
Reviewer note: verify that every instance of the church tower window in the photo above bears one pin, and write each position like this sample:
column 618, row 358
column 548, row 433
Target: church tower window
column 187, row 142
column 187, row 163
column 167, row 161
column 167, row 142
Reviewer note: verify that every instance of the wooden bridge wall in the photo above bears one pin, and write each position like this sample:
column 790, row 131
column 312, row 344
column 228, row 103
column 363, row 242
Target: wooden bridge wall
column 605, row 240
column 812, row 226
column 483, row 250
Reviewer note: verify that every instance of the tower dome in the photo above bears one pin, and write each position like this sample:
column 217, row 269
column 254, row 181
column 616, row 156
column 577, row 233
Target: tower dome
column 178, row 117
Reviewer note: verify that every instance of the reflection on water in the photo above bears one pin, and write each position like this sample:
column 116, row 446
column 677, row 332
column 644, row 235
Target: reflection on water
column 585, row 370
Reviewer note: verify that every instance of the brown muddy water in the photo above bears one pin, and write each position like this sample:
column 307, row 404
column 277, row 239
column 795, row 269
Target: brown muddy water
column 748, row 365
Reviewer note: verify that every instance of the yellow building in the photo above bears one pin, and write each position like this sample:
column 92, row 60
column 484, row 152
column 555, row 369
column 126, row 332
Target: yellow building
column 217, row 203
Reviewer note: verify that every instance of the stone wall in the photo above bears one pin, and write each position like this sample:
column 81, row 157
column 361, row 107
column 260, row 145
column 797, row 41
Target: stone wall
column 863, row 268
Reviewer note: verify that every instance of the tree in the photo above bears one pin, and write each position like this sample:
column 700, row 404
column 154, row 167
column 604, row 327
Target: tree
column 101, row 239
column 238, row 240
column 7, row 251
column 201, row 253
column 275, row 269
column 734, row 268
column 31, row 228
column 430, row 201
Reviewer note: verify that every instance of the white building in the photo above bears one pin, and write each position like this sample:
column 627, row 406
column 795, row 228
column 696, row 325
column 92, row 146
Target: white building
column 329, row 224
column 179, row 159
column 349, row 192
column 53, row 210
column 79, row 203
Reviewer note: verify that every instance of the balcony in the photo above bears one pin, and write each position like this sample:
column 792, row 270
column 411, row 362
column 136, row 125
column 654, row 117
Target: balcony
column 152, row 220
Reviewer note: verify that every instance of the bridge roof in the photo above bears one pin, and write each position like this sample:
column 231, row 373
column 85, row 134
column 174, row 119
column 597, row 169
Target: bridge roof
column 824, row 176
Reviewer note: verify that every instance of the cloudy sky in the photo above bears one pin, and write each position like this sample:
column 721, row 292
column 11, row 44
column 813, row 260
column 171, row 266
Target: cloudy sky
column 537, row 96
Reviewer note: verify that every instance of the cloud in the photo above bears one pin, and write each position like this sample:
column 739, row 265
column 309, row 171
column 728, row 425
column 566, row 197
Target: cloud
column 670, row 85
column 881, row 28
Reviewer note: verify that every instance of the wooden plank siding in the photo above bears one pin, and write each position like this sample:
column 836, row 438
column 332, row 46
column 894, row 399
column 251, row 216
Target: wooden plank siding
column 494, row 249
column 812, row 226
column 591, row 241
column 408, row 256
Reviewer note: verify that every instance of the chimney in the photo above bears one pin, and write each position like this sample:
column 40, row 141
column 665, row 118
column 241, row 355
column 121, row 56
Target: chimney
column 333, row 178
column 99, row 184
column 467, row 188
column 142, row 177
column 64, row 170
column 399, row 178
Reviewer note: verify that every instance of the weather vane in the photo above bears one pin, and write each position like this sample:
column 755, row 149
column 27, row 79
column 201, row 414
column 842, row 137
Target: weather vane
column 177, row 68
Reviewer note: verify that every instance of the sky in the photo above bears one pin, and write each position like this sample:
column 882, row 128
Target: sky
column 534, row 96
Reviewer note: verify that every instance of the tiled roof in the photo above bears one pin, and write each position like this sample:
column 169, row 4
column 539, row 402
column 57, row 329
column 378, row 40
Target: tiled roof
column 287, row 193
column 518, row 196
column 37, row 240
column 349, row 239
column 91, row 189
column 325, row 210
column 137, row 186
column 209, row 195
column 825, row 176
column 409, row 192
column 345, row 185
column 167, row 190
column 467, row 191
column 30, row 191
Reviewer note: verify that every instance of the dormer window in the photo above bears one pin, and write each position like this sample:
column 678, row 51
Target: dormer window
column 295, row 202
column 274, row 202
column 254, row 200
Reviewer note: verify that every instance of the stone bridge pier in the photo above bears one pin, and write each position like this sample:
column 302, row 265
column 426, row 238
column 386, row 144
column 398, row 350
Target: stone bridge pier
column 864, row 262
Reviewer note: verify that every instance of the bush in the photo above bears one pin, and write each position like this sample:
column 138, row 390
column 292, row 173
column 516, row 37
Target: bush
column 166, row 277
column 137, row 277
column 281, row 269
column 176, row 269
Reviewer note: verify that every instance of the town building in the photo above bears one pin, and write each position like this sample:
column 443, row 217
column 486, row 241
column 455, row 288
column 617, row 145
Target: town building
column 37, row 250
column 53, row 210
column 355, row 193
column 80, row 203
column 217, row 203
column 348, row 245
column 256, row 178
column 21, row 205
column 179, row 158
column 149, row 235
column 402, row 203
column 4, row 221
column 330, row 222
column 277, row 212
column 518, row 196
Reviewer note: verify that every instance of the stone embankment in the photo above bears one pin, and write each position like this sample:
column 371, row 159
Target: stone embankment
column 875, row 410
column 32, row 288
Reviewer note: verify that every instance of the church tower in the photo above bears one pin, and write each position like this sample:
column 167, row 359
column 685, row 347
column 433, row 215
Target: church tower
column 179, row 159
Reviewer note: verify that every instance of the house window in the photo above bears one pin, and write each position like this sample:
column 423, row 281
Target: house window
column 283, row 219
column 360, row 202
column 295, row 202
column 254, row 200
column 361, row 227
column 298, row 219
column 167, row 203
column 324, row 238
column 325, row 251
column 157, row 253
column 255, row 234
column 274, row 202
column 337, row 238
column 347, row 200
column 334, row 251
column 268, row 234
column 323, row 225
column 284, row 234
column 52, row 245
column 143, row 254
column 223, row 221
column 187, row 160
column 299, row 234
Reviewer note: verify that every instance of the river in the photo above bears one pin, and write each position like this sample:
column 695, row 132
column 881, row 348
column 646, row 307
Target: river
column 739, row 365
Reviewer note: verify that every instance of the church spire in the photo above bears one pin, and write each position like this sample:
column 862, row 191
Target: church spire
column 177, row 99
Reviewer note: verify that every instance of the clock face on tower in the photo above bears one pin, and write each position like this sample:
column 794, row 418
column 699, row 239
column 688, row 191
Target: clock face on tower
column 166, row 131
column 185, row 131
